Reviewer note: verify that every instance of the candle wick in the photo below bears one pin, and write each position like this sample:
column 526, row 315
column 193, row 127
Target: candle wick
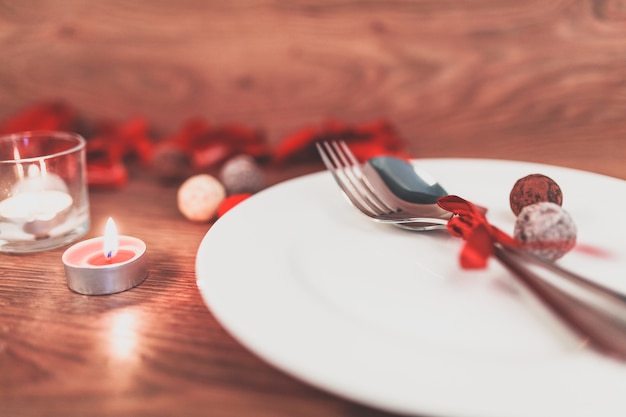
column 109, row 255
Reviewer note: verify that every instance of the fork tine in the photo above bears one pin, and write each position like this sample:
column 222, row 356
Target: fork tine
column 332, row 164
column 333, row 161
column 352, row 170
column 365, row 187
column 355, row 179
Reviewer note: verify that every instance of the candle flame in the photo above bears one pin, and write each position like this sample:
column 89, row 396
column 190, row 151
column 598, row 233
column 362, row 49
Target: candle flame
column 19, row 167
column 111, row 240
column 33, row 171
column 43, row 169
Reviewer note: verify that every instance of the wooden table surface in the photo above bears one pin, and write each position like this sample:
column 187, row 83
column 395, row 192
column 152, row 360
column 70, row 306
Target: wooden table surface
column 154, row 350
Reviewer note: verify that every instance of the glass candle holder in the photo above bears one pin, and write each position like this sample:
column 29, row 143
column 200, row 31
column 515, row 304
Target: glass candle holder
column 44, row 201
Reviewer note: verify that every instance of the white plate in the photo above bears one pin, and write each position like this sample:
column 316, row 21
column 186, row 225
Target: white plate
column 387, row 318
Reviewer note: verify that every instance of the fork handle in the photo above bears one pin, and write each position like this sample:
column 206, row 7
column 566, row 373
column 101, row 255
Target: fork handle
column 591, row 312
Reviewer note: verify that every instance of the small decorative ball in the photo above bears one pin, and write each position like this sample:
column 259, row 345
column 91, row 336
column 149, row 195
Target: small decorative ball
column 199, row 197
column 546, row 230
column 533, row 189
column 241, row 175
column 171, row 163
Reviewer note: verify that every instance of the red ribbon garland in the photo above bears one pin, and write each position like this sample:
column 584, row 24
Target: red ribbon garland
column 469, row 222
column 197, row 146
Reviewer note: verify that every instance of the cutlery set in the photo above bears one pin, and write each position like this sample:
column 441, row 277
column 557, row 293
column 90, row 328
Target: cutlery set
column 393, row 191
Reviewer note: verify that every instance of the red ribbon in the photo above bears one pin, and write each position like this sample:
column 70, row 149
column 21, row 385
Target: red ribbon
column 469, row 222
column 45, row 115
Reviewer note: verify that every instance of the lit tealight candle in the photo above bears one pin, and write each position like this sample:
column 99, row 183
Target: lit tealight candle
column 107, row 264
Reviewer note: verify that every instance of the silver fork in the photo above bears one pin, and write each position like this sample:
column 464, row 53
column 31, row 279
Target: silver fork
column 594, row 312
column 369, row 194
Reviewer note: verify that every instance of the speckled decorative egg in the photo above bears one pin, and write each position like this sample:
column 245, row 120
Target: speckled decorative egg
column 242, row 175
column 546, row 230
column 532, row 189
column 199, row 197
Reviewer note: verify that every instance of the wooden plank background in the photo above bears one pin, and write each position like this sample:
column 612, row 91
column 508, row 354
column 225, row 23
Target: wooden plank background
column 540, row 80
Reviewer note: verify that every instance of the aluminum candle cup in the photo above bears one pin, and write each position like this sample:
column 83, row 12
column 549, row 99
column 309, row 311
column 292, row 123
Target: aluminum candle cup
column 89, row 271
column 44, row 200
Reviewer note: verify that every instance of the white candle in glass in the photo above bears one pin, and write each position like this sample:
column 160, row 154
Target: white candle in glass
column 39, row 201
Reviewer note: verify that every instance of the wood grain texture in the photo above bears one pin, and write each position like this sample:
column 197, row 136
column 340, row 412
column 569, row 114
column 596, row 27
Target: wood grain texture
column 535, row 80
column 155, row 350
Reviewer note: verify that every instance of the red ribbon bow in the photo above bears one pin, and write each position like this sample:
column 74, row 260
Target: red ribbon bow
column 469, row 222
